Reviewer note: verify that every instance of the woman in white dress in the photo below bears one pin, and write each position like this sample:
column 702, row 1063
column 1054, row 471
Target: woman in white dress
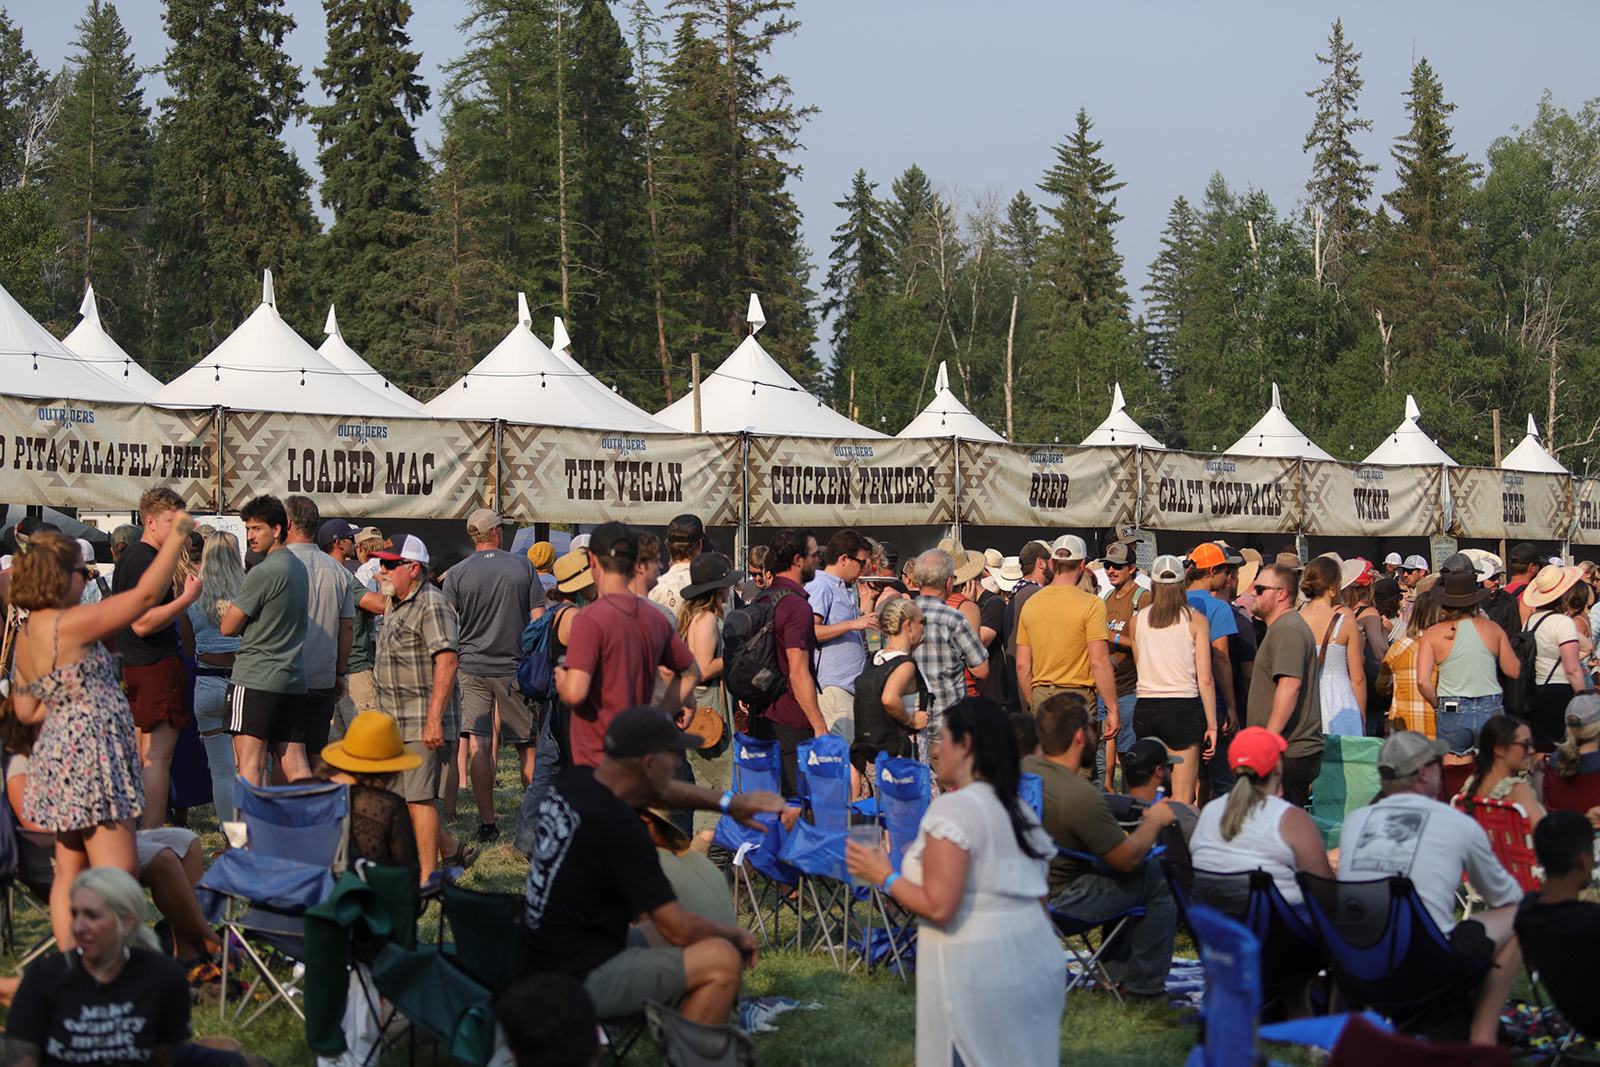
column 991, row 975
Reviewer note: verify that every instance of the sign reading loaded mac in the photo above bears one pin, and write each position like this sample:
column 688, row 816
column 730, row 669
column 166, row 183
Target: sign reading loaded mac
column 802, row 481
column 393, row 468
column 103, row 456
column 1046, row 485
column 588, row 476
column 1243, row 494
column 1490, row 502
column 1371, row 501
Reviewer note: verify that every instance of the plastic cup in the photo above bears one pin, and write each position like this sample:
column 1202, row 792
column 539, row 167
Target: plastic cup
column 867, row 835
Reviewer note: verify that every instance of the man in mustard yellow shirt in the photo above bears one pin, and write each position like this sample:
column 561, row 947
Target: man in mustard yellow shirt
column 1062, row 638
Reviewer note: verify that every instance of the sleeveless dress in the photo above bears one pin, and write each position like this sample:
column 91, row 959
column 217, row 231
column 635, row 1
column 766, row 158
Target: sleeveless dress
column 713, row 767
column 1340, row 712
column 86, row 761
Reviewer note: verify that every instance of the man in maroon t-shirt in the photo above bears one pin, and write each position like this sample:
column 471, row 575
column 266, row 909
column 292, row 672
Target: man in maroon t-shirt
column 617, row 643
column 795, row 716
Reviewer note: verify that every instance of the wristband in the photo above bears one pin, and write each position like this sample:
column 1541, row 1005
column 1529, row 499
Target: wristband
column 726, row 802
column 894, row 876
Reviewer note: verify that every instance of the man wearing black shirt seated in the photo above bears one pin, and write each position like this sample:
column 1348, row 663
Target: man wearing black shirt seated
column 594, row 871
column 1560, row 934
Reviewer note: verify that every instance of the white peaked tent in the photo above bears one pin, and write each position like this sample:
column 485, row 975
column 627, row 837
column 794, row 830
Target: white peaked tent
column 1274, row 435
column 341, row 355
column 90, row 340
column 560, row 347
column 751, row 392
column 33, row 363
column 265, row 366
column 1530, row 455
column 1409, row 444
column 1119, row 427
column 523, row 381
column 945, row 416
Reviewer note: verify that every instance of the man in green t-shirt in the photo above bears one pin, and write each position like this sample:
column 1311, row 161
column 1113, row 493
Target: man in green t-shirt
column 1078, row 817
column 336, row 537
column 267, row 691
column 1283, row 689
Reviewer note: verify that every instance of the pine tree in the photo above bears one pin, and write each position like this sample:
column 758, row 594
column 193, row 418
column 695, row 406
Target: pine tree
column 1340, row 181
column 1171, row 288
column 27, row 237
column 29, row 103
column 230, row 198
column 372, row 173
column 1082, row 269
column 99, row 172
column 859, row 259
column 1020, row 239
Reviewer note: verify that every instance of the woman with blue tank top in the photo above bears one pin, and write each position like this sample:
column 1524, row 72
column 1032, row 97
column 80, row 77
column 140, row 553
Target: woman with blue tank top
column 221, row 573
column 1469, row 650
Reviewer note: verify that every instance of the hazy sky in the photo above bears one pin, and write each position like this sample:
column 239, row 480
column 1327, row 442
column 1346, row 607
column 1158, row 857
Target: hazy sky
column 978, row 94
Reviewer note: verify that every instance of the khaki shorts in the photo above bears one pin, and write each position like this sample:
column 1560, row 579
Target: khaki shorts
column 481, row 695
column 425, row 783
column 838, row 707
column 361, row 692
column 620, row 986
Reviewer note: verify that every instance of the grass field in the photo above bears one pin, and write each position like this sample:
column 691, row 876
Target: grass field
column 861, row 1020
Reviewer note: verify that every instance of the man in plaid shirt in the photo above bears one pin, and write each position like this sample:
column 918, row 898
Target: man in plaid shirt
column 950, row 647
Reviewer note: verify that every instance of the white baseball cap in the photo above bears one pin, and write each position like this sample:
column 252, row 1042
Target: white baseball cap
column 1415, row 563
column 409, row 549
column 1069, row 547
column 1167, row 570
column 1392, row 559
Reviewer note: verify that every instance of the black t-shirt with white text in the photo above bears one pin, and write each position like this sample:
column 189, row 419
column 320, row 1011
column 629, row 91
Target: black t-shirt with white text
column 154, row 647
column 73, row 1019
column 593, row 871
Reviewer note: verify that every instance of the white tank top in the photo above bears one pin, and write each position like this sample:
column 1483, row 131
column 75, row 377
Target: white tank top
column 1166, row 658
column 1257, row 845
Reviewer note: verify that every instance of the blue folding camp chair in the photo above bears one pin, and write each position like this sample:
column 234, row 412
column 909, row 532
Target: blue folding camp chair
column 292, row 845
column 757, row 765
column 1075, row 930
column 1030, row 787
column 904, row 789
column 1384, row 949
column 815, row 847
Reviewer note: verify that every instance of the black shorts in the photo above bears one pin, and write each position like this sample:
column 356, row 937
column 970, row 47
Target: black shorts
column 318, row 719
column 276, row 717
column 1471, row 941
column 1177, row 722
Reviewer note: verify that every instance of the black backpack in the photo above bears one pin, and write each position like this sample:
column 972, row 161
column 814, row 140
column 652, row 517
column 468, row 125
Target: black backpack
column 1522, row 692
column 750, row 669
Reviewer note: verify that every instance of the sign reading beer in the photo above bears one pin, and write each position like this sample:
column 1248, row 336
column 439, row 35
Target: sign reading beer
column 590, row 476
column 78, row 454
column 1516, row 505
column 375, row 468
column 829, row 481
column 1046, row 485
column 1240, row 494
column 1371, row 501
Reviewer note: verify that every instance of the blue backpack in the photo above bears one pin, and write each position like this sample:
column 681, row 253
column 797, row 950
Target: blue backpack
column 536, row 672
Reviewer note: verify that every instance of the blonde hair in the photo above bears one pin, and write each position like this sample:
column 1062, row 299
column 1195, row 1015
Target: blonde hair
column 712, row 600
column 1247, row 794
column 221, row 574
column 1566, row 757
column 897, row 615
column 123, row 896
column 1169, row 604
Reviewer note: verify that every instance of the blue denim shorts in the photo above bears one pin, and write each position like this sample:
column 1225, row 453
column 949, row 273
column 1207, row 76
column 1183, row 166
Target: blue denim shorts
column 1461, row 728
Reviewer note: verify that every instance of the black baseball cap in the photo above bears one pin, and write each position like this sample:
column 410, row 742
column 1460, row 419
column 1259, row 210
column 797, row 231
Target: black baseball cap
column 614, row 539
column 1146, row 755
column 1524, row 554
column 642, row 731
column 686, row 529
column 333, row 530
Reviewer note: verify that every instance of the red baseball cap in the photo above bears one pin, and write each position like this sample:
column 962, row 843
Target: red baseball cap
column 1257, row 749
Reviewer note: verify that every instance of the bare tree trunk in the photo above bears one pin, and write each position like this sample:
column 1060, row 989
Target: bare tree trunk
column 1011, row 337
column 645, row 99
column 1550, row 420
column 1386, row 331
column 561, row 156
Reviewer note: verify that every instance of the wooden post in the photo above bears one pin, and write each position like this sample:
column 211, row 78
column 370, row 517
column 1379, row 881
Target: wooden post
column 1011, row 336
column 851, row 406
column 1497, row 464
column 694, row 377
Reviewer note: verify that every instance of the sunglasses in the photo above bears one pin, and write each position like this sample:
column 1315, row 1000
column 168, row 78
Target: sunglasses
column 1259, row 589
column 861, row 561
column 391, row 564
column 80, row 570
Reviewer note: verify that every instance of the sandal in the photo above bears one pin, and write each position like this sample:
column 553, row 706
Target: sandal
column 464, row 858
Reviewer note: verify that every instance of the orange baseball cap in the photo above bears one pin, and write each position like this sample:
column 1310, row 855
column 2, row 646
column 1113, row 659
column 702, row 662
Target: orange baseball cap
column 1207, row 555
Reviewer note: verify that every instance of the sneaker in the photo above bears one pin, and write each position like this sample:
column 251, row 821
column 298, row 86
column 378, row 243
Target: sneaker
column 488, row 833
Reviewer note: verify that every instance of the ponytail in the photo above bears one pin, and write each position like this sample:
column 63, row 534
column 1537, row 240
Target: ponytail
column 1567, row 759
column 1247, row 794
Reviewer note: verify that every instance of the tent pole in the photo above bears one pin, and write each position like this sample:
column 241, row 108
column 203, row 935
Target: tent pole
column 1138, row 483
column 694, row 376
column 220, row 420
column 499, row 465
column 955, row 525
column 743, row 544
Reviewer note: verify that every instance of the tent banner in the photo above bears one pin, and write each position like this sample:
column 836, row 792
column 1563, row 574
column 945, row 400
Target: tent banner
column 1586, row 511
column 1046, row 485
column 375, row 468
column 1203, row 491
column 1344, row 500
column 592, row 476
column 1516, row 505
column 830, row 481
column 79, row 454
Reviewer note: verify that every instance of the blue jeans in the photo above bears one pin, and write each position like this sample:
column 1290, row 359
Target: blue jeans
column 1461, row 727
column 546, row 765
column 1125, row 737
column 1140, row 957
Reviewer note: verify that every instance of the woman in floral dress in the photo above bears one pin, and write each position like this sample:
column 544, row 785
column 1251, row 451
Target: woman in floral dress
column 86, row 784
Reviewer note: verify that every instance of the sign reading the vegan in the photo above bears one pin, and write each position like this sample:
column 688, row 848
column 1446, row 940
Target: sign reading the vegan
column 68, row 454
column 802, row 481
column 1197, row 491
column 1490, row 502
column 591, row 476
column 382, row 468
column 1349, row 501
column 1046, row 485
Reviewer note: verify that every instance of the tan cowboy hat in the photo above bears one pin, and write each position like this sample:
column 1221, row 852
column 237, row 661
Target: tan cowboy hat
column 1550, row 585
column 1247, row 575
column 969, row 565
column 372, row 745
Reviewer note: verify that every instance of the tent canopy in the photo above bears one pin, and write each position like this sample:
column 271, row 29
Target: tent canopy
column 1274, row 435
column 945, row 416
column 265, row 366
column 33, row 363
column 1409, row 444
column 560, row 347
column 523, row 381
column 341, row 355
column 1119, row 427
column 1530, row 455
column 90, row 340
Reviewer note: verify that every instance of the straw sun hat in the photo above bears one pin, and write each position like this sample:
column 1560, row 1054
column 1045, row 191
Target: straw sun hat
column 372, row 745
column 1550, row 585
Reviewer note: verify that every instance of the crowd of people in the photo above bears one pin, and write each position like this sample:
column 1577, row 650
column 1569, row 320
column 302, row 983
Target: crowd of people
column 1180, row 708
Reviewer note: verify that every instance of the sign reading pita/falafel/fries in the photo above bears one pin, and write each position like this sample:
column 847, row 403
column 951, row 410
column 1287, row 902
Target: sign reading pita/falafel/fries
column 1343, row 500
column 1046, row 485
column 830, row 481
column 1517, row 505
column 1239, row 494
